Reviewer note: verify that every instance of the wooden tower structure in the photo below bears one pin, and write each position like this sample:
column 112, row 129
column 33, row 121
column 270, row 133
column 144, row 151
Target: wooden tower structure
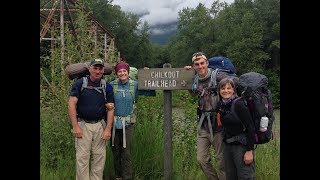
column 58, row 13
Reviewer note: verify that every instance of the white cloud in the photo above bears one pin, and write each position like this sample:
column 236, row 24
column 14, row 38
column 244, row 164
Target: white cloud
column 160, row 15
column 159, row 12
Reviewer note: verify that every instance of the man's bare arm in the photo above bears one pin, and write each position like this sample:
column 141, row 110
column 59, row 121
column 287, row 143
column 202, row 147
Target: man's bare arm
column 110, row 118
column 72, row 109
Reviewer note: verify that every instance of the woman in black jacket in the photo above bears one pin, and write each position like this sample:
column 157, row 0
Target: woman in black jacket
column 238, row 133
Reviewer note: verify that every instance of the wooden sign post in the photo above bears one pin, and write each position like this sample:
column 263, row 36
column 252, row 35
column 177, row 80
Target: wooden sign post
column 166, row 79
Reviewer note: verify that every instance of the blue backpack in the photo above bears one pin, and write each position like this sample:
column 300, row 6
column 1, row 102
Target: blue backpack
column 220, row 62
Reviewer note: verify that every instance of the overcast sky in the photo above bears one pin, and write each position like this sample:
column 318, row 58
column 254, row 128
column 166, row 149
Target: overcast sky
column 160, row 12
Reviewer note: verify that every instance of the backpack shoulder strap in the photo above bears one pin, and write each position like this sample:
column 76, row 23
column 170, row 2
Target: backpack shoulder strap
column 233, row 104
column 195, row 83
column 131, row 90
column 131, row 84
column 232, row 110
column 103, row 84
column 115, row 85
column 212, row 83
column 84, row 82
column 213, row 78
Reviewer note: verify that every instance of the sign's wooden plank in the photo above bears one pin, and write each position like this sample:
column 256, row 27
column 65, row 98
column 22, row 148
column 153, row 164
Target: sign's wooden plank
column 165, row 78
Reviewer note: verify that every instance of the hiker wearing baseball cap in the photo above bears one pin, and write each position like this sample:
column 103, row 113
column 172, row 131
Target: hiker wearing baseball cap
column 91, row 118
column 96, row 62
column 209, row 131
column 96, row 69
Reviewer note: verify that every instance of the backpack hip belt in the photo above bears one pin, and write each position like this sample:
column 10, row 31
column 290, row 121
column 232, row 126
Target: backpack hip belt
column 123, row 119
column 206, row 115
column 127, row 119
column 241, row 138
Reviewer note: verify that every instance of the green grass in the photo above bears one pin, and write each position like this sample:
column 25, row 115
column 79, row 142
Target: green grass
column 57, row 153
column 268, row 155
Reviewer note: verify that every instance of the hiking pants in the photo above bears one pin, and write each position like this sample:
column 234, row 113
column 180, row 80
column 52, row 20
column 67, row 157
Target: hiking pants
column 90, row 148
column 122, row 156
column 203, row 154
column 236, row 169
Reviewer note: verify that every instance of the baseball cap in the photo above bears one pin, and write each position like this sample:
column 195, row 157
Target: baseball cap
column 96, row 62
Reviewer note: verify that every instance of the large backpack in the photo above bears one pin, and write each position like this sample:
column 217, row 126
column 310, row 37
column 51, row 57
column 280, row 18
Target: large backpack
column 253, row 89
column 133, row 73
column 78, row 70
column 101, row 89
column 224, row 67
column 223, row 63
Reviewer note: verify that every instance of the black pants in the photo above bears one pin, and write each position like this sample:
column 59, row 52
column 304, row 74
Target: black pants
column 122, row 156
column 235, row 167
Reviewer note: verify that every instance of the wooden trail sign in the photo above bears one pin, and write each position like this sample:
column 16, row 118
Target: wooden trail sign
column 165, row 78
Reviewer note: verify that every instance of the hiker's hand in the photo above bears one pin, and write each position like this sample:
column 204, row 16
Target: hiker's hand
column 109, row 106
column 248, row 157
column 77, row 131
column 188, row 67
column 106, row 134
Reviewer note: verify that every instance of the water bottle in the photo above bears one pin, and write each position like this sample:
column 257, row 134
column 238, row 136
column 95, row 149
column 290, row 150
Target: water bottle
column 264, row 123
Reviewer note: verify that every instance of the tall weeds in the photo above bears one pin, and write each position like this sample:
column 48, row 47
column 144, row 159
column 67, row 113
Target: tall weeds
column 57, row 153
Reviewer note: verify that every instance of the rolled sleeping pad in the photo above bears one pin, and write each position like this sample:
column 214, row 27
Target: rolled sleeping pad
column 81, row 69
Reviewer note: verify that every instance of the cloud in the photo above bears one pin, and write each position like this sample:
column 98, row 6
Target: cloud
column 161, row 12
column 160, row 16
column 163, row 29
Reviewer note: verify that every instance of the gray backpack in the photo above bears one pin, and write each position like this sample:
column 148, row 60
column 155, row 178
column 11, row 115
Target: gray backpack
column 101, row 89
column 253, row 89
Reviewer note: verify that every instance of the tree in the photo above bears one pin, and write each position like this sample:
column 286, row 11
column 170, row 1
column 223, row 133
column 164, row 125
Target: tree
column 143, row 49
column 268, row 13
column 239, row 37
column 194, row 34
